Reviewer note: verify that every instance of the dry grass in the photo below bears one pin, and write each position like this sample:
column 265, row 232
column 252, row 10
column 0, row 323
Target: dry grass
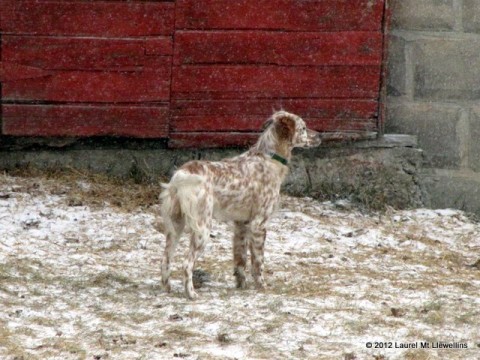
column 418, row 355
column 123, row 194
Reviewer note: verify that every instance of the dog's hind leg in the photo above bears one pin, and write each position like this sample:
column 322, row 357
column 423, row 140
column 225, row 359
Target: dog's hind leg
column 174, row 224
column 197, row 245
column 170, row 246
column 200, row 223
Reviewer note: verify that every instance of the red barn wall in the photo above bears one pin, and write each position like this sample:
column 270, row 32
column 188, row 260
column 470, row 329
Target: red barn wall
column 200, row 72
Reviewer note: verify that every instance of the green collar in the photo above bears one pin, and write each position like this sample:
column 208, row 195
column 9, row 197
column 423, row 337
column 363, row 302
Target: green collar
column 279, row 158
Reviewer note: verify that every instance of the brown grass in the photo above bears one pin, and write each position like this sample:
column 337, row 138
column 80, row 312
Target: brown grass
column 181, row 332
column 417, row 355
column 125, row 194
column 8, row 341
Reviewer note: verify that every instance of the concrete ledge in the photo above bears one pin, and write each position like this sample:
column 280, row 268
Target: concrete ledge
column 389, row 141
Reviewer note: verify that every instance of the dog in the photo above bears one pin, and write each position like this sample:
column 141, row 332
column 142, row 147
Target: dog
column 244, row 189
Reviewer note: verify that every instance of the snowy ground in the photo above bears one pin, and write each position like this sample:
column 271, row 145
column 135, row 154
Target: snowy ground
column 80, row 280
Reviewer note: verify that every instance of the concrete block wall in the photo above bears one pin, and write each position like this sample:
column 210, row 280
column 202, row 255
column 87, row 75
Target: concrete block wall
column 433, row 91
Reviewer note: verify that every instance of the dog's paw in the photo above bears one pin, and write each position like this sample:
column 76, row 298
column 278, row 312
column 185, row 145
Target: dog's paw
column 191, row 295
column 260, row 284
column 241, row 284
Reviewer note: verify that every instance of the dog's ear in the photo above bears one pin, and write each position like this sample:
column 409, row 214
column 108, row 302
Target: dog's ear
column 267, row 124
column 285, row 127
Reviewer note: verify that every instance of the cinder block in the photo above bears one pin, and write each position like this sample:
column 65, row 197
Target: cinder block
column 396, row 80
column 447, row 69
column 452, row 189
column 471, row 16
column 474, row 141
column 423, row 14
column 436, row 127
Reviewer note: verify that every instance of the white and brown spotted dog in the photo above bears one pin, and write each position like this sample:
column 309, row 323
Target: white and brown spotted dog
column 244, row 189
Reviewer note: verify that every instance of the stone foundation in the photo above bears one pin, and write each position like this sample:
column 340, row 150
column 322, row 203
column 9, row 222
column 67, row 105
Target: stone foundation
column 374, row 173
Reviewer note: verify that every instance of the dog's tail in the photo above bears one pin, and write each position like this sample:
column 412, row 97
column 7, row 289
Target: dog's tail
column 179, row 200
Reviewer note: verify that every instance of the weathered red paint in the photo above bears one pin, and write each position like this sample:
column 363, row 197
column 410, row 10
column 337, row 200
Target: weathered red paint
column 243, row 122
column 85, row 120
column 87, row 18
column 67, row 53
column 81, row 86
column 278, row 48
column 236, row 62
column 260, row 81
column 292, row 15
column 68, row 69
column 12, row 71
column 309, row 107
column 248, row 115
column 212, row 139
column 201, row 72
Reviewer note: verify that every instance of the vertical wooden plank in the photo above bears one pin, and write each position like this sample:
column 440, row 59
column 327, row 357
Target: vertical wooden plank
column 382, row 101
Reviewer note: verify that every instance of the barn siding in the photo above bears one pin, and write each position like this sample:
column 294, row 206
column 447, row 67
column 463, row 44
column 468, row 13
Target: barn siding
column 321, row 59
column 196, row 71
column 76, row 68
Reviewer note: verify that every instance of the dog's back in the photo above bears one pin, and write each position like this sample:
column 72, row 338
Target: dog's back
column 240, row 187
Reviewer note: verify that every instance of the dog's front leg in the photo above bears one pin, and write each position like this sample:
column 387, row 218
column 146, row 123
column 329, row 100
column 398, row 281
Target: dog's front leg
column 240, row 253
column 257, row 243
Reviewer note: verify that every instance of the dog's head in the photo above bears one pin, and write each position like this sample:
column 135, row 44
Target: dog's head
column 292, row 129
